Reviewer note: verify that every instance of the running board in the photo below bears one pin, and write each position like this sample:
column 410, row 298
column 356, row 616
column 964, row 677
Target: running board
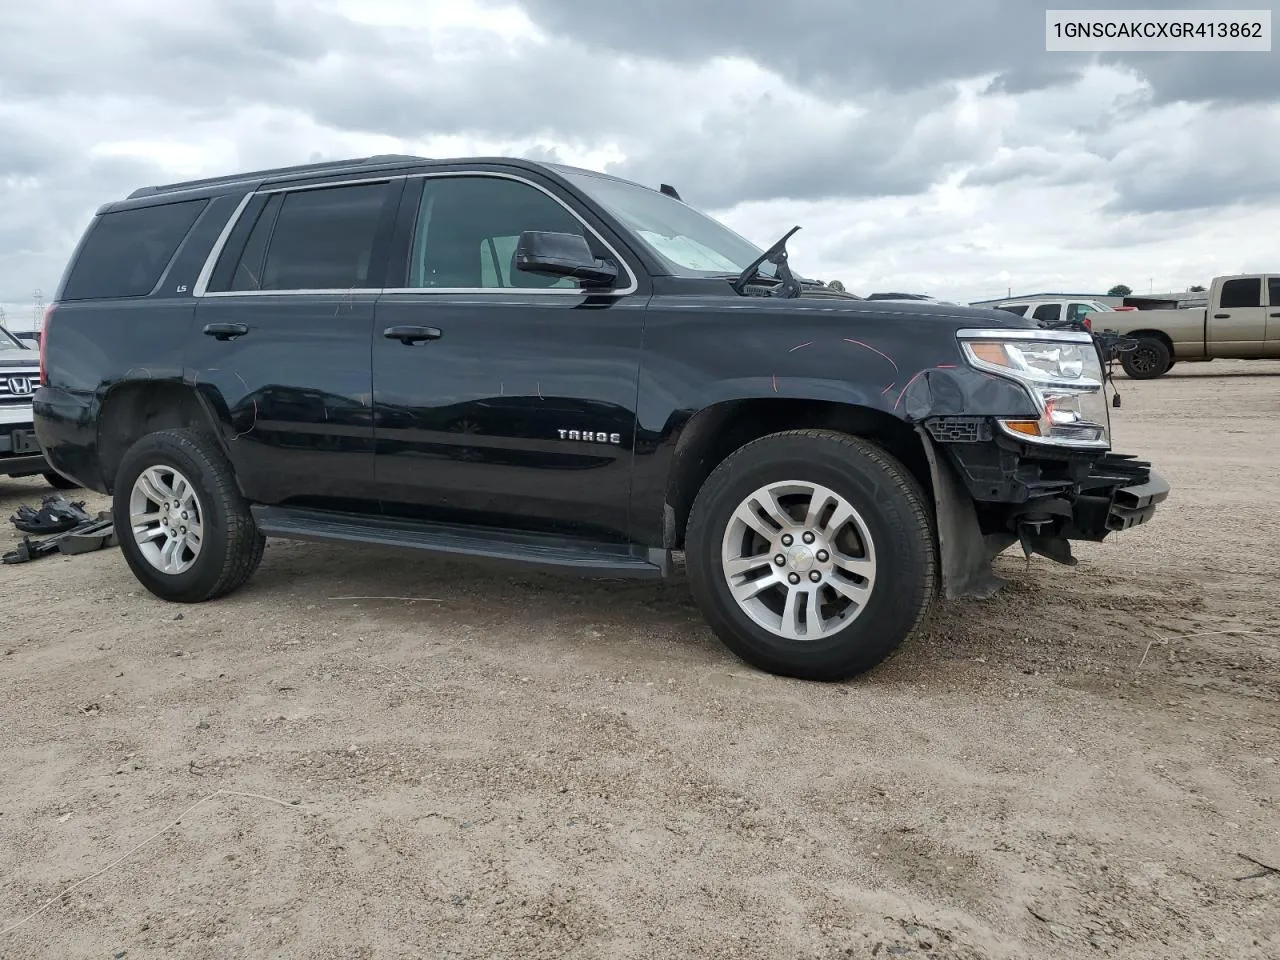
column 544, row 551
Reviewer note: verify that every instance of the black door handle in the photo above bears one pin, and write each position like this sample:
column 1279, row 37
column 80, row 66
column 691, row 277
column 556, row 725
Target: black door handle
column 1276, row 314
column 411, row 335
column 225, row 331
column 1222, row 316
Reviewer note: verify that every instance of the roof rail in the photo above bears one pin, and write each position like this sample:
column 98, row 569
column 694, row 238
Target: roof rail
column 299, row 169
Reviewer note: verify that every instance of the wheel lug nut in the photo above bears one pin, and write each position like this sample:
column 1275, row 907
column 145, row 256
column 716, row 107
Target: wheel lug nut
column 823, row 556
column 815, row 576
column 786, row 540
column 808, row 537
column 793, row 578
column 779, row 559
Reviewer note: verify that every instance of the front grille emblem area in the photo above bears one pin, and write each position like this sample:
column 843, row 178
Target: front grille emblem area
column 20, row 386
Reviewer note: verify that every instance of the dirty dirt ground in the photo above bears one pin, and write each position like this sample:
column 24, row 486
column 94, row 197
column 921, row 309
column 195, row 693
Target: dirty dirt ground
column 518, row 766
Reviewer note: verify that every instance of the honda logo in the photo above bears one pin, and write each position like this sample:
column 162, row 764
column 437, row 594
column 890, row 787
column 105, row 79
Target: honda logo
column 20, row 386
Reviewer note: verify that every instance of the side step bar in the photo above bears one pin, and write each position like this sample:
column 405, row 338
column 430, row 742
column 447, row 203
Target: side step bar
column 543, row 551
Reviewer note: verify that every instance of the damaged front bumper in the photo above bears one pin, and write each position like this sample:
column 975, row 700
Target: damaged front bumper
column 991, row 495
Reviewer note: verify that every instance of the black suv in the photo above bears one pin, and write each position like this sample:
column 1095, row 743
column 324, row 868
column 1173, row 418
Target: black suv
column 496, row 358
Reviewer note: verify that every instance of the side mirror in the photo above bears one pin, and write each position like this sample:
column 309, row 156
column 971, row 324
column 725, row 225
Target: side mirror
column 562, row 255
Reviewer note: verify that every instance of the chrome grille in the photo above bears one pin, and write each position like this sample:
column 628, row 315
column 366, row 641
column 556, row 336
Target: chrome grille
column 18, row 386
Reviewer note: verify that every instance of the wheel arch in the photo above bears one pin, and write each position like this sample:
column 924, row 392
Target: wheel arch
column 135, row 408
column 1155, row 334
column 718, row 430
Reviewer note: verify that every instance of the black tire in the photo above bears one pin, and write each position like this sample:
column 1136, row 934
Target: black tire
column 893, row 507
column 1151, row 358
column 231, row 548
column 58, row 481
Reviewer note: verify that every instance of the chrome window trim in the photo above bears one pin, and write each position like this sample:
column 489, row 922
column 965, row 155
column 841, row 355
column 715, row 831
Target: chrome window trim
column 206, row 272
column 388, row 178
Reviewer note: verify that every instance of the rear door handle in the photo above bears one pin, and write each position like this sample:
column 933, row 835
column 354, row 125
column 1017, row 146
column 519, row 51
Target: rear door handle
column 411, row 335
column 225, row 331
column 1276, row 314
column 1222, row 316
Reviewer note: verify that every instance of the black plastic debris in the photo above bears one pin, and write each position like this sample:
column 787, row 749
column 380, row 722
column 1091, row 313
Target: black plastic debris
column 56, row 515
column 94, row 533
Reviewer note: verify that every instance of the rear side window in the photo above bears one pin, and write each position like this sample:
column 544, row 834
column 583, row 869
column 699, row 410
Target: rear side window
column 1048, row 311
column 1273, row 290
column 126, row 252
column 320, row 240
column 1237, row 294
column 1019, row 308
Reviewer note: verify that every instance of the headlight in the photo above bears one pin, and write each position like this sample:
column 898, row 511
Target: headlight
column 1061, row 371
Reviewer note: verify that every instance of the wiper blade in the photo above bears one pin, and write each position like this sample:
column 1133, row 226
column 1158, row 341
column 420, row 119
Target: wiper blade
column 777, row 255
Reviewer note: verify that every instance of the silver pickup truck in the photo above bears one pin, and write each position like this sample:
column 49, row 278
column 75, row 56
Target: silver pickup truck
column 20, row 454
column 1241, row 322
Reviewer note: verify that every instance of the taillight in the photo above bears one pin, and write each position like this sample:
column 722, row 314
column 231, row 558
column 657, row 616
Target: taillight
column 44, row 343
column 1088, row 324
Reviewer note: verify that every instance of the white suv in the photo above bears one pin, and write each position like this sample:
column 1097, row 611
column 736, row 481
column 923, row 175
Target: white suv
column 20, row 453
column 1056, row 311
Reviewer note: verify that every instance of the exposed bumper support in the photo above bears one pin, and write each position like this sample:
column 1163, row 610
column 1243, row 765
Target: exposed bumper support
column 1118, row 493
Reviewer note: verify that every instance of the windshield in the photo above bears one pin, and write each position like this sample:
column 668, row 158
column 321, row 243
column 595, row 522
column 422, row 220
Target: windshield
column 690, row 243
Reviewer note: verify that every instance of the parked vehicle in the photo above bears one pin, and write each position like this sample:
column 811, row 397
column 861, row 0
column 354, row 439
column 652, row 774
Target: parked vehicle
column 20, row 454
column 529, row 362
column 1241, row 322
column 1071, row 314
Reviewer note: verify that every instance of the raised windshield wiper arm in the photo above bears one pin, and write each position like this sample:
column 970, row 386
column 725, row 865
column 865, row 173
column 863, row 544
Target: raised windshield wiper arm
column 777, row 255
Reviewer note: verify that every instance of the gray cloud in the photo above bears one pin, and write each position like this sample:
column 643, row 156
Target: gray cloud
column 860, row 101
column 833, row 46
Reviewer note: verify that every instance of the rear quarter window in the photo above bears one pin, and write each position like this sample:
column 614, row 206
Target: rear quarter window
column 126, row 251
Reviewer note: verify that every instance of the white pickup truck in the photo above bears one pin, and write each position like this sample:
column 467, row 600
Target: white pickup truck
column 1241, row 322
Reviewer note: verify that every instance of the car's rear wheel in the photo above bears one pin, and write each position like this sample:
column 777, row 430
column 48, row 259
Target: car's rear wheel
column 184, row 529
column 811, row 554
column 1150, row 358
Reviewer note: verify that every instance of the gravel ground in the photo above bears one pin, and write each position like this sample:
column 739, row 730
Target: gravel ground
column 519, row 766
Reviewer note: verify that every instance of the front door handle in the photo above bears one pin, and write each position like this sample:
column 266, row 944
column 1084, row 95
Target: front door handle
column 225, row 331
column 411, row 335
column 1222, row 316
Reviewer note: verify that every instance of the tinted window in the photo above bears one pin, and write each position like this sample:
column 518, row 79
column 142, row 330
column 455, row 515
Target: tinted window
column 126, row 252
column 248, row 273
column 323, row 239
column 1242, row 293
column 1077, row 311
column 1273, row 291
column 467, row 231
column 1019, row 308
column 1048, row 311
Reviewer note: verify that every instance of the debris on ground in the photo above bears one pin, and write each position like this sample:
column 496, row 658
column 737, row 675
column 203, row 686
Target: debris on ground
column 85, row 536
column 56, row 515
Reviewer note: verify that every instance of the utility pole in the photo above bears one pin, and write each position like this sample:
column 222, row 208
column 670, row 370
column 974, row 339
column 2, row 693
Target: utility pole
column 37, row 311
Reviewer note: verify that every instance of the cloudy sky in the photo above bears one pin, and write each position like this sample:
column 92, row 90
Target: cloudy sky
column 925, row 145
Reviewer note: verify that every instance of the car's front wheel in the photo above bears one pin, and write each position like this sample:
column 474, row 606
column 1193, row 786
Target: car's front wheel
column 184, row 529
column 811, row 554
